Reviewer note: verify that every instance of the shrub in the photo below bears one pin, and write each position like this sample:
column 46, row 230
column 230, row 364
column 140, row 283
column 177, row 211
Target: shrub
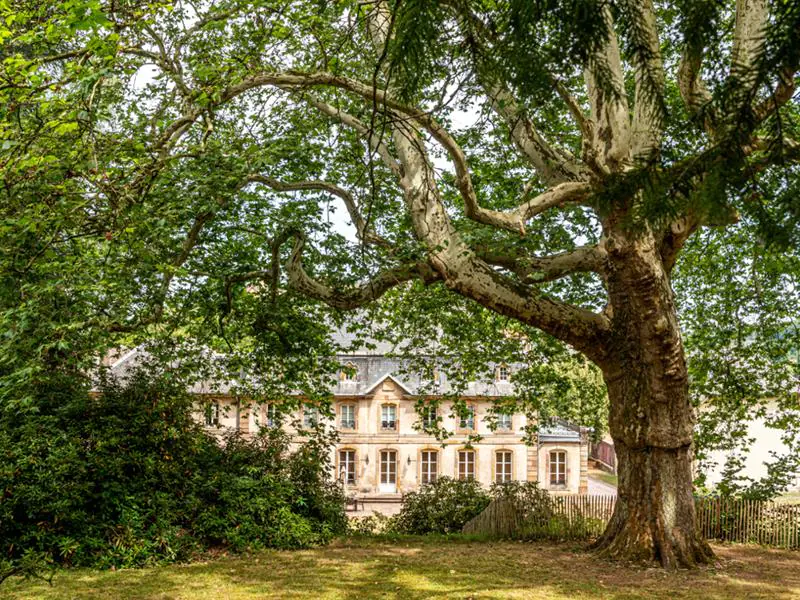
column 441, row 507
column 127, row 478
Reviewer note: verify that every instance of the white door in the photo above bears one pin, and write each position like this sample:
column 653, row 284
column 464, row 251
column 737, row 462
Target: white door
column 388, row 483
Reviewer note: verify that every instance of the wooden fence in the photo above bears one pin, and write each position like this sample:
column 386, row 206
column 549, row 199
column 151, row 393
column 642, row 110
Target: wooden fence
column 749, row 521
column 585, row 516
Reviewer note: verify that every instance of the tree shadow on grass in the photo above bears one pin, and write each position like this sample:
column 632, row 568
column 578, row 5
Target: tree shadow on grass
column 416, row 569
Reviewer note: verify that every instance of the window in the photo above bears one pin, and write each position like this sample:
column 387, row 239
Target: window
column 429, row 466
column 437, row 377
column 466, row 464
column 349, row 373
column 271, row 415
column 310, row 416
column 212, row 414
column 504, row 422
column 502, row 466
column 347, row 466
column 429, row 416
column 502, row 373
column 388, row 481
column 468, row 422
column 558, row 467
column 347, row 417
column 389, row 417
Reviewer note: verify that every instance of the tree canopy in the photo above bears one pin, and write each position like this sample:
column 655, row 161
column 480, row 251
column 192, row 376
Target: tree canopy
column 524, row 177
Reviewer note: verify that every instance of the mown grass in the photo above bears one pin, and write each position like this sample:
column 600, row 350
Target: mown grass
column 441, row 568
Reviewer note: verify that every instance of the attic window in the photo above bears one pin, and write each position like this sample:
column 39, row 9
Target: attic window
column 349, row 373
column 502, row 373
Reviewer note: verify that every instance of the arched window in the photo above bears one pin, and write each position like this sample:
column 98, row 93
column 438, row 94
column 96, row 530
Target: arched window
column 558, row 468
column 349, row 373
column 502, row 466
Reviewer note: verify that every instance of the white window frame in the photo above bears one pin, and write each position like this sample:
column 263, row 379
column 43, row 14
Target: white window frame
column 468, row 423
column 385, row 407
column 503, row 469
column 428, row 470
column 310, row 417
column 348, row 466
column 349, row 373
column 271, row 420
column 427, row 421
column 558, row 468
column 503, row 373
column 505, row 422
column 467, row 459
column 211, row 416
column 350, row 424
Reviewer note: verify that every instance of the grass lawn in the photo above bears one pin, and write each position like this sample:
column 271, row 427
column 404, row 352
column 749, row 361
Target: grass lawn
column 789, row 498
column 609, row 478
column 441, row 569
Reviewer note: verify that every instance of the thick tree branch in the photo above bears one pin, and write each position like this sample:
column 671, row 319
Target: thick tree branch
column 553, row 165
column 610, row 120
column 565, row 193
column 693, row 90
column 534, row 269
column 648, row 109
column 358, row 296
column 748, row 39
column 456, row 262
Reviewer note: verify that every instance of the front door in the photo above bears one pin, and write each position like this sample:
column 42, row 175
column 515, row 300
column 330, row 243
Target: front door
column 388, row 483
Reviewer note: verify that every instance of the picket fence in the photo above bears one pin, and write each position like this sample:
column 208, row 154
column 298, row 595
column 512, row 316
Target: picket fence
column 585, row 516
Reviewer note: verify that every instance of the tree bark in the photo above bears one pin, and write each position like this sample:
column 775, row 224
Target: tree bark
column 650, row 418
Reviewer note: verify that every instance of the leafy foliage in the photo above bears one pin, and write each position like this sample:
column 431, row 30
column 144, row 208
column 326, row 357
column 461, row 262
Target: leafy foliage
column 441, row 507
column 127, row 478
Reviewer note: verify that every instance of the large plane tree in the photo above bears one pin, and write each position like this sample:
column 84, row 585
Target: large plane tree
column 547, row 160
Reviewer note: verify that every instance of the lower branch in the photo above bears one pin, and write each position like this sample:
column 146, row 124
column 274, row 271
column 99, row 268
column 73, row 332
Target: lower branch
column 358, row 296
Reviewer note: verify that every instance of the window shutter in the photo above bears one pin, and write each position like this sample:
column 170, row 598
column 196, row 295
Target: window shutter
column 547, row 468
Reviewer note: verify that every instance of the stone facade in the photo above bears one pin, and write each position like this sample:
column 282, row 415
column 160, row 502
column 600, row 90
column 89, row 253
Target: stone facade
column 382, row 452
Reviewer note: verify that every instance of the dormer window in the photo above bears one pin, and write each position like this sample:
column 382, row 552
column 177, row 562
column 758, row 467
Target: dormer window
column 349, row 373
column 502, row 373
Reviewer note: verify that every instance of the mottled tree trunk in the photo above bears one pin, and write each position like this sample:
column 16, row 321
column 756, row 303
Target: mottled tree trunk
column 651, row 418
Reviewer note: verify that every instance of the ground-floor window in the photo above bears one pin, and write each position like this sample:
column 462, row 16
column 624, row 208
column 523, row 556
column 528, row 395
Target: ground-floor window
column 212, row 414
column 388, row 471
column 347, row 466
column 429, row 466
column 558, row 467
column 466, row 464
column 502, row 469
column 272, row 415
